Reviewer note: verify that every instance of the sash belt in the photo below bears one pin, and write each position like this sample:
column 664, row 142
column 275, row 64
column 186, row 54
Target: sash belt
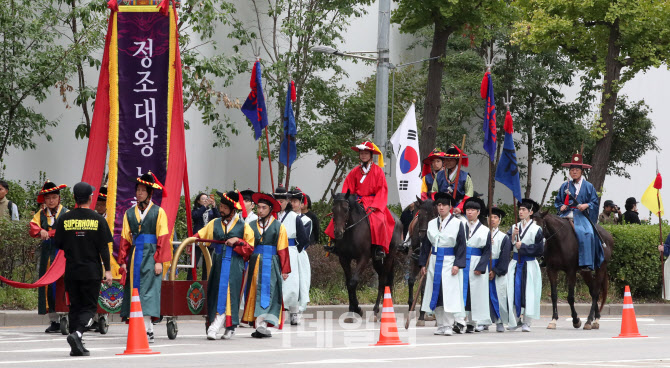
column 470, row 251
column 139, row 242
column 265, row 252
column 437, row 279
column 519, row 281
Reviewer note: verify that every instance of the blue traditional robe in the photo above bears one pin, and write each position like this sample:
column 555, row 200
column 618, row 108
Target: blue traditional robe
column 590, row 250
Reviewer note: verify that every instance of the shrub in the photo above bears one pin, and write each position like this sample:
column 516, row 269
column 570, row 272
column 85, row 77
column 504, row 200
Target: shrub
column 635, row 259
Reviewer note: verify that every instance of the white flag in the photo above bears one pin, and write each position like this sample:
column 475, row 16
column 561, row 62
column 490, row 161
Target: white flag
column 405, row 143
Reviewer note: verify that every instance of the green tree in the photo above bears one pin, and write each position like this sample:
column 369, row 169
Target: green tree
column 446, row 18
column 609, row 39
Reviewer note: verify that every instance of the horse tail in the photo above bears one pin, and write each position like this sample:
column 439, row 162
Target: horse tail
column 603, row 292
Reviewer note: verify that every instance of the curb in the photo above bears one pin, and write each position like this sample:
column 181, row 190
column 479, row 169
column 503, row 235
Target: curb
column 30, row 317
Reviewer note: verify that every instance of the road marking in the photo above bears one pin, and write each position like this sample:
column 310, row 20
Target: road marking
column 554, row 363
column 285, row 350
column 380, row 360
column 91, row 349
column 617, row 319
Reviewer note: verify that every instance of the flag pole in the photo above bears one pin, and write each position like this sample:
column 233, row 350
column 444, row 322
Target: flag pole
column 660, row 237
column 288, row 158
column 267, row 139
column 458, row 174
column 259, row 165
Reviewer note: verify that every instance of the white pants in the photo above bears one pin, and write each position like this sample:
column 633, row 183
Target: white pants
column 53, row 317
column 444, row 319
column 217, row 324
column 147, row 324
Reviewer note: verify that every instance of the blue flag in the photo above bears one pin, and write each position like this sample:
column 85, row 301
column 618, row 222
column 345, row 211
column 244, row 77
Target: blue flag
column 507, row 172
column 288, row 147
column 489, row 126
column 254, row 106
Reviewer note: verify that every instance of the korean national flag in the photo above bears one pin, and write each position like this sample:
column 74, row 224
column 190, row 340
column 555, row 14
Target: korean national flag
column 408, row 165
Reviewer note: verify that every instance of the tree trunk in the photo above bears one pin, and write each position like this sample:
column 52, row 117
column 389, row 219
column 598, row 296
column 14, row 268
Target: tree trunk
column 432, row 106
column 546, row 188
column 601, row 154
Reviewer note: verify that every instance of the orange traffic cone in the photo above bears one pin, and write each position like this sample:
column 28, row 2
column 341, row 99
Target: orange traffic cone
column 628, row 321
column 388, row 334
column 138, row 343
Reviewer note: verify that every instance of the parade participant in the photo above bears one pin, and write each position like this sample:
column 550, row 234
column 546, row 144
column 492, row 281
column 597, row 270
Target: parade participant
column 501, row 248
column 524, row 280
column 368, row 182
column 7, row 208
column 84, row 236
column 445, row 244
column 665, row 248
column 432, row 164
column 446, row 179
column 296, row 286
column 475, row 274
column 101, row 203
column 316, row 226
column 145, row 245
column 586, row 204
column 268, row 266
column 227, row 273
column 249, row 205
column 43, row 226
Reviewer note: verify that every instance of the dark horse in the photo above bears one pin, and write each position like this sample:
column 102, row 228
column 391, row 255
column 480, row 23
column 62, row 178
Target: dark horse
column 561, row 253
column 352, row 242
column 426, row 211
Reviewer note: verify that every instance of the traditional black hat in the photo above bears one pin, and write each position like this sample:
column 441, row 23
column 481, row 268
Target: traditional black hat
column 246, row 194
column 475, row 203
column 530, row 204
column 498, row 212
column 150, row 180
column 47, row 188
column 444, row 198
column 229, row 199
column 280, row 193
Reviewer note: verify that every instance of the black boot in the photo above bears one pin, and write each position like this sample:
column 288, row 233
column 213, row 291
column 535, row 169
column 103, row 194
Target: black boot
column 53, row 328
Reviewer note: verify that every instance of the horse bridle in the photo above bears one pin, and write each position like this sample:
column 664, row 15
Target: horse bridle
column 367, row 214
column 544, row 227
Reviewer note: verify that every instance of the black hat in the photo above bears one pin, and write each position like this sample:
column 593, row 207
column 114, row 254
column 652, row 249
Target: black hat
column 229, row 199
column 280, row 193
column 444, row 198
column 47, row 188
column 609, row 203
column 150, row 180
column 632, row 201
column 530, row 204
column 247, row 194
column 102, row 195
column 498, row 212
column 82, row 190
column 267, row 199
column 475, row 203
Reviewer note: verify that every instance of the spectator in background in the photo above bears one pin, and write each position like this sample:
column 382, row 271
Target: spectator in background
column 631, row 216
column 7, row 208
column 204, row 211
column 316, row 226
column 611, row 214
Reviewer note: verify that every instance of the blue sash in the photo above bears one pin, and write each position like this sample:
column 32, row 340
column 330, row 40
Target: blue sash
column 437, row 277
column 519, row 281
column 139, row 242
column 265, row 252
column 291, row 242
column 223, row 282
column 493, row 294
column 466, row 272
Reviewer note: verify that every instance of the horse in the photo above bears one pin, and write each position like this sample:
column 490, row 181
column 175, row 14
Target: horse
column 353, row 242
column 426, row 211
column 561, row 253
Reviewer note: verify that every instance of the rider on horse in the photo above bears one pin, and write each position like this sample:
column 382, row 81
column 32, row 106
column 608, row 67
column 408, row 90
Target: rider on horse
column 446, row 179
column 432, row 165
column 368, row 182
column 584, row 199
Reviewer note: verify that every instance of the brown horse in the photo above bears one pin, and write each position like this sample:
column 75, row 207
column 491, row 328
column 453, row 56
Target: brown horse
column 426, row 211
column 561, row 253
column 352, row 242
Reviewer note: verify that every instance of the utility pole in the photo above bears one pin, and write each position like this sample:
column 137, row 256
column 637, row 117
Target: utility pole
column 382, row 95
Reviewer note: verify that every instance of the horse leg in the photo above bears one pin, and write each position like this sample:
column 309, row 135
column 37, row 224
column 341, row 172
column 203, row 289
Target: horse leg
column 594, row 288
column 601, row 275
column 410, row 283
column 572, row 278
column 553, row 280
column 351, row 289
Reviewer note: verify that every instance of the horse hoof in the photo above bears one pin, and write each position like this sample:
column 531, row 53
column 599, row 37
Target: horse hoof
column 595, row 325
column 551, row 326
column 420, row 323
column 373, row 318
column 587, row 326
column 577, row 324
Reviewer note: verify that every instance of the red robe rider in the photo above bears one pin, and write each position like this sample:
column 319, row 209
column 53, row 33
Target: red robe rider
column 368, row 182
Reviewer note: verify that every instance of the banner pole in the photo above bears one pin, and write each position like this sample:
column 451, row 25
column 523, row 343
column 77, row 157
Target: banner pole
column 259, row 165
column 267, row 139
column 660, row 237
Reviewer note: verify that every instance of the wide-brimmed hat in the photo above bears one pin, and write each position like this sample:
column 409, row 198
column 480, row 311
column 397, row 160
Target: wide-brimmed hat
column 445, row 198
column 475, row 203
column 47, row 188
column 229, row 199
column 498, row 212
column 530, row 204
column 150, row 180
column 370, row 147
column 102, row 194
column 455, row 152
column 280, row 193
column 435, row 154
column 262, row 197
column 247, row 193
column 577, row 160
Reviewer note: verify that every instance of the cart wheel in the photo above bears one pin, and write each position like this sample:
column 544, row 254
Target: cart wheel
column 103, row 325
column 172, row 329
column 64, row 325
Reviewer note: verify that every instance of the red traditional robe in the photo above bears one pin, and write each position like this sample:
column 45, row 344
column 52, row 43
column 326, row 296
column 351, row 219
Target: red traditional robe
column 373, row 192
